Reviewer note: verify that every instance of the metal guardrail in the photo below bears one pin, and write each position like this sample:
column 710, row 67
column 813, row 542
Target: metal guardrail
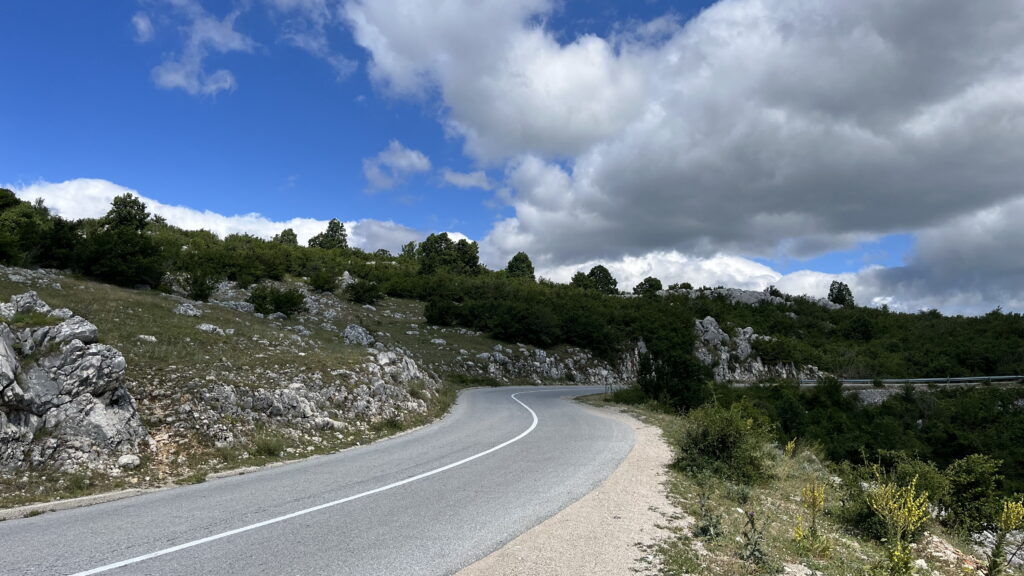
column 962, row 380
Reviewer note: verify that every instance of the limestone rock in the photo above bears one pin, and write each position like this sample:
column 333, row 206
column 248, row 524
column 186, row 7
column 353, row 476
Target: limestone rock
column 210, row 329
column 356, row 334
column 188, row 309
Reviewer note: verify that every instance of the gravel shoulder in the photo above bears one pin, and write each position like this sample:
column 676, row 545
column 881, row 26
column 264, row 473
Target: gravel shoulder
column 608, row 530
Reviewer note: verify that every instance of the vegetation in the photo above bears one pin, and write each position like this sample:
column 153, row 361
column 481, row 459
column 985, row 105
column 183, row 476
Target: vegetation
column 268, row 299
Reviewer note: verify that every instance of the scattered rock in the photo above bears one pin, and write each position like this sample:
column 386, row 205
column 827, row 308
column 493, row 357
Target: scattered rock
column 210, row 329
column 439, row 342
column 356, row 334
column 147, row 338
column 187, row 309
column 129, row 461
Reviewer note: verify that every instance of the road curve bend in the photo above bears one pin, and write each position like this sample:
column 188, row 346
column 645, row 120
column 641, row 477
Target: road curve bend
column 425, row 503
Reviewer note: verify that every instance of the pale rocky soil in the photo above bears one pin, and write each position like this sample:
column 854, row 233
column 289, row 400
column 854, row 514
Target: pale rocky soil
column 606, row 532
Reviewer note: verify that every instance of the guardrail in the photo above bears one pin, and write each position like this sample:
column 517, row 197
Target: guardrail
column 959, row 380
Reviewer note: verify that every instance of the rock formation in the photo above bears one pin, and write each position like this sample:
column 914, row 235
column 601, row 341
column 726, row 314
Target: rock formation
column 62, row 402
column 733, row 358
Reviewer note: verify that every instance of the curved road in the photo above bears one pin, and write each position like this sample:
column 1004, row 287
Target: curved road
column 429, row 502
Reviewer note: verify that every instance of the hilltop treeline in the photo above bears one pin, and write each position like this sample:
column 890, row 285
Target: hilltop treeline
column 130, row 247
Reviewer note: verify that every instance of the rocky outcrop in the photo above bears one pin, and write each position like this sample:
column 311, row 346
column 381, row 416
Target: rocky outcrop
column 62, row 401
column 733, row 358
column 752, row 297
column 574, row 366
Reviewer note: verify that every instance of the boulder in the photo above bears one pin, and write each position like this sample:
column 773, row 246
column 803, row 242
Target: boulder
column 210, row 329
column 188, row 309
column 356, row 334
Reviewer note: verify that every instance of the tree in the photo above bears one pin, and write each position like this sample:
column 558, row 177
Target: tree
column 839, row 293
column 650, row 286
column 581, row 280
column 467, row 257
column 120, row 250
column 520, row 267
column 288, row 237
column 436, row 252
column 602, row 280
column 335, row 237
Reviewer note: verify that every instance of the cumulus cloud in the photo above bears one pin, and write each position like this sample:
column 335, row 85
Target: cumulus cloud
column 143, row 27
column 393, row 164
column 203, row 33
column 464, row 180
column 91, row 198
column 306, row 24
column 759, row 128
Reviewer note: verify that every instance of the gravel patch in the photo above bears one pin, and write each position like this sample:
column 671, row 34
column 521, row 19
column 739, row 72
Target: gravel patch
column 608, row 530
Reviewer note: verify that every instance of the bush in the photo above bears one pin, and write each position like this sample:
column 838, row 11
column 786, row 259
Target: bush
column 199, row 286
column 725, row 443
column 269, row 299
column 973, row 501
column 323, row 280
column 364, row 292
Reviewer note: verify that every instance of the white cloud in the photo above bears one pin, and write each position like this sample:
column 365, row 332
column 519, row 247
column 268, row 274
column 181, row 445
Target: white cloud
column 306, row 27
column 143, row 27
column 91, row 198
column 393, row 164
column 476, row 179
column 759, row 127
column 204, row 32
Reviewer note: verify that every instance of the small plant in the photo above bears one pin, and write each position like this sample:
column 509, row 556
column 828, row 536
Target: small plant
column 811, row 540
column 32, row 320
column 903, row 510
column 708, row 523
column 268, row 446
column 1011, row 518
column 790, row 449
column 725, row 443
column 753, row 541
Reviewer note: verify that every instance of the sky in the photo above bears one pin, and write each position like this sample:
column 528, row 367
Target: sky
column 744, row 143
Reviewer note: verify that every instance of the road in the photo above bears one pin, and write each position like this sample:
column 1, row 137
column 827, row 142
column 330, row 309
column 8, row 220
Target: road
column 429, row 502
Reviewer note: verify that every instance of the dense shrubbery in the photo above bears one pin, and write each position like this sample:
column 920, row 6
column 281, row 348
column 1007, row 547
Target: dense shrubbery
column 364, row 292
column 725, row 442
column 269, row 299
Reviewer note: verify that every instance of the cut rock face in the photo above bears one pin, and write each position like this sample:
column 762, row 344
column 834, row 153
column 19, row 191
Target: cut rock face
column 65, row 406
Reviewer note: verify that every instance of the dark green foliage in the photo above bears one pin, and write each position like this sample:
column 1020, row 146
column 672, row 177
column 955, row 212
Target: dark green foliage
column 323, row 279
column 520, row 266
column 973, row 500
column 268, row 299
column 649, row 286
column 438, row 253
column 602, row 280
column 119, row 249
column 581, row 281
column 333, row 238
column 200, row 286
column 681, row 286
column 364, row 292
column 724, row 442
column 839, row 293
column 628, row 396
column 287, row 237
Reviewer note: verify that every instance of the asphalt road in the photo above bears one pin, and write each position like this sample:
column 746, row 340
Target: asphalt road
column 429, row 502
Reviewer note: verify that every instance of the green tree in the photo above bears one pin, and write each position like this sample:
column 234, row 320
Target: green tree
column 649, row 286
column 581, row 280
column 467, row 257
column 333, row 238
column 520, row 267
column 602, row 280
column 839, row 293
column 287, row 237
column 119, row 250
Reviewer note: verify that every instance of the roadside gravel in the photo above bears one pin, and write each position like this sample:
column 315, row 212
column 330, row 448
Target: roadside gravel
column 605, row 533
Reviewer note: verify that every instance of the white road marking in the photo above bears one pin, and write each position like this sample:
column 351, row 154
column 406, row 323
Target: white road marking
column 411, row 479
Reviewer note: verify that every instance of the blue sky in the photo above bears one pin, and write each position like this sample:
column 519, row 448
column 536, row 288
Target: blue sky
column 738, row 142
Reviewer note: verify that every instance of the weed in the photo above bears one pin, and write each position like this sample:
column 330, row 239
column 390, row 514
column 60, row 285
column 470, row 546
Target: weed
column 903, row 511
column 32, row 320
column 1011, row 518
column 752, row 536
column 268, row 446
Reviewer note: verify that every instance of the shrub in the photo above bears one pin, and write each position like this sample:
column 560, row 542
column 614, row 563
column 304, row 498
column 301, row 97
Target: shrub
column 973, row 500
column 268, row 299
column 631, row 395
column 268, row 446
column 903, row 510
column 1011, row 518
column 323, row 280
column 364, row 292
column 199, row 286
column 725, row 443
